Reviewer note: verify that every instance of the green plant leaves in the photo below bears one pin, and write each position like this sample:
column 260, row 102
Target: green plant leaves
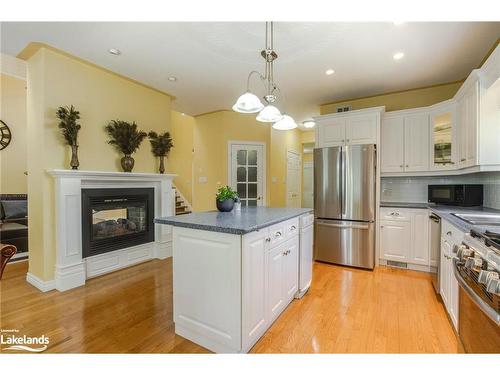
column 225, row 192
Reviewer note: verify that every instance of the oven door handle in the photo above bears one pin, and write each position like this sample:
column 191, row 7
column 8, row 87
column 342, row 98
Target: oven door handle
column 485, row 308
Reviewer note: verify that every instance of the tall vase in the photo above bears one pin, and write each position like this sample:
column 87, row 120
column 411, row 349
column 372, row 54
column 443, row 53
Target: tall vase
column 74, row 157
column 162, row 164
column 127, row 163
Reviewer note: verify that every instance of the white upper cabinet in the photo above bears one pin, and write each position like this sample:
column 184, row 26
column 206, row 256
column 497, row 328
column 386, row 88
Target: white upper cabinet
column 405, row 141
column 361, row 130
column 391, row 144
column 443, row 132
column 468, row 109
column 416, row 142
column 331, row 132
column 348, row 128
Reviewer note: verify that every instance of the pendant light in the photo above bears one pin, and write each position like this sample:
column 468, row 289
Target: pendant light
column 250, row 103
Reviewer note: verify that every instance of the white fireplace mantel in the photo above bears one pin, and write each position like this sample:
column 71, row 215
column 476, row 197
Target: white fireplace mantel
column 71, row 269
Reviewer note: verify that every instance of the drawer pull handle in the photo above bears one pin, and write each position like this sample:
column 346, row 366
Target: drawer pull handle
column 293, row 227
column 268, row 239
column 448, row 233
column 277, row 234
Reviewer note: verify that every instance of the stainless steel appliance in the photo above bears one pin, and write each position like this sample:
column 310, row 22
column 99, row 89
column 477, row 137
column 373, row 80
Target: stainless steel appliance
column 456, row 195
column 435, row 224
column 344, row 205
column 477, row 270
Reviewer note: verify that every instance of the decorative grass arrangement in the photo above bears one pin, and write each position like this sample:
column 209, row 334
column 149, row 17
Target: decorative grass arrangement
column 160, row 146
column 126, row 138
column 68, row 117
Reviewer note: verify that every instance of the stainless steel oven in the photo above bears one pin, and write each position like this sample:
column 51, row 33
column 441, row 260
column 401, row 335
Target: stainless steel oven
column 476, row 270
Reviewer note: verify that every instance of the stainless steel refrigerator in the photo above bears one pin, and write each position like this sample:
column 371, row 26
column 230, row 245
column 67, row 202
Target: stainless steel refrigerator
column 344, row 205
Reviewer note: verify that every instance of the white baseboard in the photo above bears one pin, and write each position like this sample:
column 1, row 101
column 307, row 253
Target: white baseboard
column 409, row 266
column 163, row 250
column 38, row 283
column 69, row 276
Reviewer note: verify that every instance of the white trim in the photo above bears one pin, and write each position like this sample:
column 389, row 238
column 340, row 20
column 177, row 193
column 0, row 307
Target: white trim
column 264, row 164
column 380, row 110
column 12, row 66
column 448, row 172
column 91, row 175
column 38, row 283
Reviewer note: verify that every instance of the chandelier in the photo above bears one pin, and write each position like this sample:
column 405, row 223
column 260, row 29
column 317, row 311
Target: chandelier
column 250, row 103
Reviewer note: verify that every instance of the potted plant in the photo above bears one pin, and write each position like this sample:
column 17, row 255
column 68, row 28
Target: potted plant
column 160, row 146
column 126, row 138
column 69, row 129
column 225, row 198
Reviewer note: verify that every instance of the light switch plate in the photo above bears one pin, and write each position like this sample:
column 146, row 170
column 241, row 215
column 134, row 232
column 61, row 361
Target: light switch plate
column 202, row 179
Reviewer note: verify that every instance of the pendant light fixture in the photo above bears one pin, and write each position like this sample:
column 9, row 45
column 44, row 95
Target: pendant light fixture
column 250, row 103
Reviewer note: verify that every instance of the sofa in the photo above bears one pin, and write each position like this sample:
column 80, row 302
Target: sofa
column 14, row 222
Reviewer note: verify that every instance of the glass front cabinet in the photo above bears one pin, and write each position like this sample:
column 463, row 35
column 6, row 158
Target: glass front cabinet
column 443, row 134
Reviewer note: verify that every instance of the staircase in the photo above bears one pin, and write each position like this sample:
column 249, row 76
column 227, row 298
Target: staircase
column 182, row 207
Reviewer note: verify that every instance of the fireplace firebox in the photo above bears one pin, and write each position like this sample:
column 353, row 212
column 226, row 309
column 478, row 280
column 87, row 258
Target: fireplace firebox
column 115, row 219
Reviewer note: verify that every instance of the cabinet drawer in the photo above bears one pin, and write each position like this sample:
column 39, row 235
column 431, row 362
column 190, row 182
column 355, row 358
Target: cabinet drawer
column 451, row 233
column 292, row 227
column 277, row 234
column 306, row 220
column 394, row 213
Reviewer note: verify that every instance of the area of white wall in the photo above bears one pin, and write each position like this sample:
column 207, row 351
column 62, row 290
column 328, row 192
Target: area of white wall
column 414, row 189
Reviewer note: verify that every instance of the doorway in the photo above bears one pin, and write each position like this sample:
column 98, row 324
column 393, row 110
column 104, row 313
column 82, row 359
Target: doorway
column 246, row 171
column 293, row 164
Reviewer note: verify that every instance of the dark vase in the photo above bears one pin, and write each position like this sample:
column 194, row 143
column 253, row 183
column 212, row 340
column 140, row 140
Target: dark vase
column 162, row 164
column 127, row 163
column 225, row 206
column 74, row 157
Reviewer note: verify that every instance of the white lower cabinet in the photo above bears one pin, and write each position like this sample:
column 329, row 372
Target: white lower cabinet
column 448, row 285
column 404, row 235
column 270, row 279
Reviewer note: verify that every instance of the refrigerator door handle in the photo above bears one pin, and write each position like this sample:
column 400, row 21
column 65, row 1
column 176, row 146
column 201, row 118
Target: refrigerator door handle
column 346, row 226
column 343, row 178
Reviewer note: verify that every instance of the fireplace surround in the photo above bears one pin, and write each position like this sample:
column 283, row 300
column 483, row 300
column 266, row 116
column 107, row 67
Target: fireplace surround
column 72, row 268
column 116, row 218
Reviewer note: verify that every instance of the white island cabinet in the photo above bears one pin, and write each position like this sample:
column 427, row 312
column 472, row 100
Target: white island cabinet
column 233, row 280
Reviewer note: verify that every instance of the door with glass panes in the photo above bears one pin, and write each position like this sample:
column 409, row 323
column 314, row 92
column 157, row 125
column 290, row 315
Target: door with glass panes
column 246, row 172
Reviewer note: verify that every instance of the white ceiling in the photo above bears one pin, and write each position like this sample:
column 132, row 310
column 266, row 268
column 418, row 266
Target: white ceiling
column 212, row 59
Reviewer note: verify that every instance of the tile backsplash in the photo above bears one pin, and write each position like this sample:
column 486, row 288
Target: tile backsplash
column 414, row 189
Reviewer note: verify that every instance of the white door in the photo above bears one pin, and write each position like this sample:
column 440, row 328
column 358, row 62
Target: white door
column 291, row 266
column 246, row 169
column 254, row 287
column 331, row 132
column 361, row 130
column 293, row 179
column 308, row 184
column 417, row 142
column 419, row 253
column 392, row 148
column 275, row 302
column 395, row 240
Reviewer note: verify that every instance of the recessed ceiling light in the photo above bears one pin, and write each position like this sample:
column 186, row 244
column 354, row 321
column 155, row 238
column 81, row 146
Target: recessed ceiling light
column 398, row 55
column 172, row 79
column 115, row 51
column 399, row 23
column 183, row 114
column 329, row 72
column 309, row 124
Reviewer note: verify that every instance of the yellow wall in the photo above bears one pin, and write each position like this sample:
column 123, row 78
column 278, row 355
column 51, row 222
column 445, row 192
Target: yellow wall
column 420, row 97
column 307, row 136
column 180, row 160
column 54, row 80
column 211, row 135
column 13, row 164
column 281, row 143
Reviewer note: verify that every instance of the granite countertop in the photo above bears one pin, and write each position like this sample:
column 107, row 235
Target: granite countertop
column 247, row 220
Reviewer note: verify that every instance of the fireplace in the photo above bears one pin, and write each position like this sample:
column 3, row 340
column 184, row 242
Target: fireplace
column 114, row 218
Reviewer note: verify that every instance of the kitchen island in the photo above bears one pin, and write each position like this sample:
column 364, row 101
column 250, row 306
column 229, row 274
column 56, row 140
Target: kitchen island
column 235, row 272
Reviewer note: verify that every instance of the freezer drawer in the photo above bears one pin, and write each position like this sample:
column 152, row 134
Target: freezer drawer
column 345, row 242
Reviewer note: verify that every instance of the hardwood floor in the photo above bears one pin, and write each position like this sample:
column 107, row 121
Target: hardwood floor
column 130, row 311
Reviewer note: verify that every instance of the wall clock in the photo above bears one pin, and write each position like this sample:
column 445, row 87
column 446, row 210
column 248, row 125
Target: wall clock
column 5, row 135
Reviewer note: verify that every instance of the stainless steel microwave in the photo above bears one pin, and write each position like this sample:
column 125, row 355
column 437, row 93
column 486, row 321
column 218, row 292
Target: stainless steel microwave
column 456, row 195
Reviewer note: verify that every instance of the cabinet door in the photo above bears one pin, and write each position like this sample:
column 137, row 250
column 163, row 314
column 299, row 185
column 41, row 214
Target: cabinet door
column 306, row 256
column 291, row 268
column 453, row 295
column 331, row 132
column 443, row 146
column 275, row 275
column 391, row 145
column 254, row 287
column 444, row 273
column 395, row 240
column 419, row 253
column 416, row 142
column 462, row 132
column 361, row 130
column 471, row 112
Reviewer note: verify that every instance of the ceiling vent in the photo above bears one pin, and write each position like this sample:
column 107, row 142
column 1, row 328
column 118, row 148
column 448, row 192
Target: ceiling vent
column 344, row 108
